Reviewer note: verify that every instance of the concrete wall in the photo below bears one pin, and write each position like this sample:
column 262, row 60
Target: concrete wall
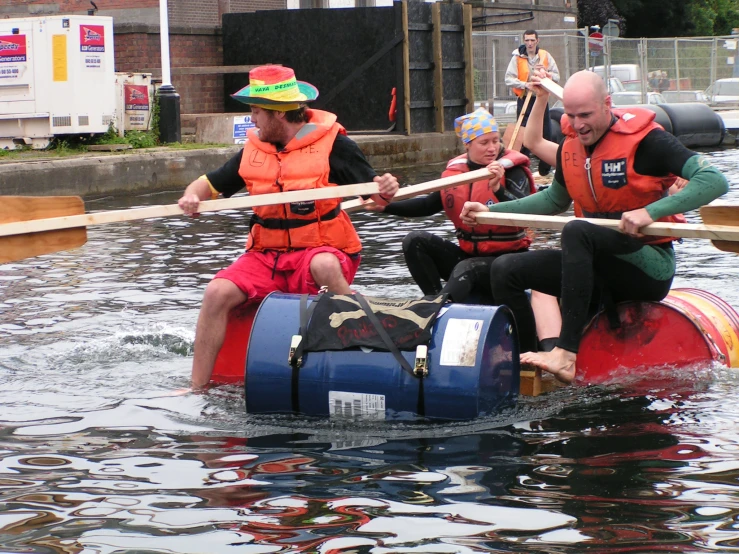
column 162, row 169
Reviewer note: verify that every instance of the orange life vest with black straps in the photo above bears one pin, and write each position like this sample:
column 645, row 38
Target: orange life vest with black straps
column 604, row 184
column 301, row 165
column 483, row 239
column 524, row 69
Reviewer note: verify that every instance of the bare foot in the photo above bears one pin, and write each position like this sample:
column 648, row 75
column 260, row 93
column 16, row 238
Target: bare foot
column 558, row 362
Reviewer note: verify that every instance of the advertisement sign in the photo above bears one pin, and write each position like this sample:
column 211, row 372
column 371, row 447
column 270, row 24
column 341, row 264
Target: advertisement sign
column 12, row 48
column 92, row 47
column 136, row 104
column 92, row 38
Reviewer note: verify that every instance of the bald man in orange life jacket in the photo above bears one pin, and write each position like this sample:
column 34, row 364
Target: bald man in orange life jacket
column 614, row 164
column 527, row 59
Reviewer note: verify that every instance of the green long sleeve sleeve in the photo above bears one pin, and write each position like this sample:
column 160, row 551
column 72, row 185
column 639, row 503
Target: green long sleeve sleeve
column 705, row 183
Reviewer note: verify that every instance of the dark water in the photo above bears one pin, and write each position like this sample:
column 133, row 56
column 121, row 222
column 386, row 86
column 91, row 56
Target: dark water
column 101, row 452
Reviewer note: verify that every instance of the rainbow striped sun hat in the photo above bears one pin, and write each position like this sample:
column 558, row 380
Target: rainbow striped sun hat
column 472, row 125
column 274, row 87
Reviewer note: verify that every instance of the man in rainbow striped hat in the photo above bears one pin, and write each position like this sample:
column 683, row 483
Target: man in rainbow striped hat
column 297, row 247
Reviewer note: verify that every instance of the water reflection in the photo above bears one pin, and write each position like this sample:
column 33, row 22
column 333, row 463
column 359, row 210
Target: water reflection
column 100, row 452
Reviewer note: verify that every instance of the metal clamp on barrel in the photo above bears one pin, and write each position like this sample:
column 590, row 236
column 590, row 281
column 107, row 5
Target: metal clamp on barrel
column 294, row 344
column 421, row 368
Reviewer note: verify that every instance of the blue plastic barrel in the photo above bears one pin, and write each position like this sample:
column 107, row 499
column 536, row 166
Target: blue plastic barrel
column 473, row 369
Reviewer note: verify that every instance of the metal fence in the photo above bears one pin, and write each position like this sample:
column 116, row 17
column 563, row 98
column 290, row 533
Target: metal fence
column 492, row 51
column 679, row 63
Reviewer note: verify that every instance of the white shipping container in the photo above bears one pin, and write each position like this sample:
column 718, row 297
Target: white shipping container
column 57, row 77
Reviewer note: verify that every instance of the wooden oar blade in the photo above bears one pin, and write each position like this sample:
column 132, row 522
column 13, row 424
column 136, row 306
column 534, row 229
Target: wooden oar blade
column 552, row 87
column 20, row 247
column 722, row 214
column 28, row 208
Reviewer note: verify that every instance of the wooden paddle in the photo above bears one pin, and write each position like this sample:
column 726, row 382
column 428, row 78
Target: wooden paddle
column 552, row 87
column 517, row 128
column 723, row 234
column 422, row 188
column 725, row 215
column 31, row 226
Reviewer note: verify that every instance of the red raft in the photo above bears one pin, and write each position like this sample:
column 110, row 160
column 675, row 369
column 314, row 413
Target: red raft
column 688, row 328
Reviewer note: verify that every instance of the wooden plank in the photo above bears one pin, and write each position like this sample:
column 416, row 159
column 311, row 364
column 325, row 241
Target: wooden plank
column 553, row 88
column 239, row 202
column 469, row 73
column 438, row 72
column 721, row 214
column 423, row 188
column 22, row 209
column 660, row 229
column 406, row 70
column 27, row 208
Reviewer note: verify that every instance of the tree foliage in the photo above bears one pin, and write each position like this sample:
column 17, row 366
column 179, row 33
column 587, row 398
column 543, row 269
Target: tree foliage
column 663, row 18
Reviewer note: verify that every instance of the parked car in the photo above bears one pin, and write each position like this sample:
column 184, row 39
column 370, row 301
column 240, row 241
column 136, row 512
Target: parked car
column 632, row 98
column 724, row 92
column 615, row 85
column 680, row 96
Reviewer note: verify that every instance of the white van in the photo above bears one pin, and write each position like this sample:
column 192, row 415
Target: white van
column 724, row 92
column 628, row 73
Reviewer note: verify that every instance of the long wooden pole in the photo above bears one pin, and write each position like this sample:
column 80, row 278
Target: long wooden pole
column 423, row 188
column 117, row 216
column 557, row 223
column 520, row 119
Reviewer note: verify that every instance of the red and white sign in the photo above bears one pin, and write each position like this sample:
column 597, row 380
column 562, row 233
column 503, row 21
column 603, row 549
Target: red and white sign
column 595, row 41
column 92, row 38
column 137, row 97
column 12, row 48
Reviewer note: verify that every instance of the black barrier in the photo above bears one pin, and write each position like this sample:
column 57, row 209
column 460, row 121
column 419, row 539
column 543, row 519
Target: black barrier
column 355, row 58
column 325, row 47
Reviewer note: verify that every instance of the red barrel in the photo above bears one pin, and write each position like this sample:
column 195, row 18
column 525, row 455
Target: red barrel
column 231, row 361
column 688, row 328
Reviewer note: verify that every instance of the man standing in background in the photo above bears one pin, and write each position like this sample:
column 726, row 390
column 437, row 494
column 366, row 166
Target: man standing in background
column 526, row 59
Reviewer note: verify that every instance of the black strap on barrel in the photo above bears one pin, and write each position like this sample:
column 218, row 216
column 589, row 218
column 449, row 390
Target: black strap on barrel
column 390, row 345
column 305, row 313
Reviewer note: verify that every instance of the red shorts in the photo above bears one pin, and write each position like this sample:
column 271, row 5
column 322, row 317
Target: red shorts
column 259, row 273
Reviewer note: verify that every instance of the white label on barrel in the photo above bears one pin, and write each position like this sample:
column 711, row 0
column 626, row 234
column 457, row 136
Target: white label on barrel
column 356, row 404
column 461, row 338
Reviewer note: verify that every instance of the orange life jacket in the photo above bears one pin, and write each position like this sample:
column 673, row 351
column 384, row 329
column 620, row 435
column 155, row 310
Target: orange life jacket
column 523, row 68
column 483, row 239
column 301, row 165
column 604, row 184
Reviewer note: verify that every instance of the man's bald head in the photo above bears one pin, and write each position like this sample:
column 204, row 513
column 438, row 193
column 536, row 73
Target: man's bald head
column 588, row 106
column 587, row 82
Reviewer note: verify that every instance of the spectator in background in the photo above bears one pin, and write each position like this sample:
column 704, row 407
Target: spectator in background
column 526, row 59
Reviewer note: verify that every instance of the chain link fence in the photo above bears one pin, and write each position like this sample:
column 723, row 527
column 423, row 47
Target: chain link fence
column 664, row 64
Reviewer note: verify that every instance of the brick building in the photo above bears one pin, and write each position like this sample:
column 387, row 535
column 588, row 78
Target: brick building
column 195, row 32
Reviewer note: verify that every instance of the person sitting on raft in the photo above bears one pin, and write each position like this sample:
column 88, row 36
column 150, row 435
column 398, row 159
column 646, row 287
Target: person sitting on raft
column 297, row 247
column 615, row 164
column 466, row 266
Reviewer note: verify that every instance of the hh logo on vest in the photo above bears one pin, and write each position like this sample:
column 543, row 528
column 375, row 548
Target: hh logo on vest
column 614, row 173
